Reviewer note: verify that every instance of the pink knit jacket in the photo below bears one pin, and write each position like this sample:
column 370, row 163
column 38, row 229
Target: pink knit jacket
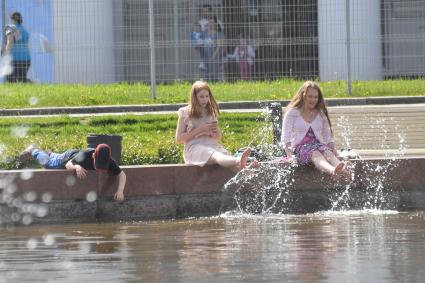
column 295, row 128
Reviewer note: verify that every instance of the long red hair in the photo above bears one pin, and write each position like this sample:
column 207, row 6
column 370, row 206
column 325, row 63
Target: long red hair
column 195, row 109
column 299, row 98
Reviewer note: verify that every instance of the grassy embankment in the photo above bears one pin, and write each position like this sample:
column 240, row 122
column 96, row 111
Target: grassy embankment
column 149, row 139
column 26, row 96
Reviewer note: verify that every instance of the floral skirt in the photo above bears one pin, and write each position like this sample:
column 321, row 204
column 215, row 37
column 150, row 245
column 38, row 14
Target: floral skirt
column 304, row 150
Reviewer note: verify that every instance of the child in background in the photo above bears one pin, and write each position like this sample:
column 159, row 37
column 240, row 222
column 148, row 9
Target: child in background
column 244, row 55
column 196, row 36
column 307, row 132
column 198, row 130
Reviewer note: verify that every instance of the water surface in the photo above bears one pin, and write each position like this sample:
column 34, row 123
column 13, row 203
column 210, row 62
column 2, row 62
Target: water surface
column 352, row 246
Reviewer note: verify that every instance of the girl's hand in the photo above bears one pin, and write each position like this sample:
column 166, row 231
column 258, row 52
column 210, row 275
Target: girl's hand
column 209, row 129
column 213, row 128
column 289, row 152
column 335, row 152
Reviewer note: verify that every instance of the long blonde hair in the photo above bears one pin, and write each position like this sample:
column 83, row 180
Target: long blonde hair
column 195, row 109
column 299, row 98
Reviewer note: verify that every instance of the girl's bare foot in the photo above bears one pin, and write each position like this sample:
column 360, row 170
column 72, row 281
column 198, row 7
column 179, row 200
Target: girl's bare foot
column 254, row 164
column 347, row 170
column 339, row 168
column 244, row 158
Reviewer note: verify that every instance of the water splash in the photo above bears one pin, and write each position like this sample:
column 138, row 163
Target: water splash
column 373, row 181
column 270, row 189
column 18, row 209
column 20, row 131
column 263, row 190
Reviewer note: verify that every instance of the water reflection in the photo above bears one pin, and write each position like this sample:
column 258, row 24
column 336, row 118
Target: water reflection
column 356, row 246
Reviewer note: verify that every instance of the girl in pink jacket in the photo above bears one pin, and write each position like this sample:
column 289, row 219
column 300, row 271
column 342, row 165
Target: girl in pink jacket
column 307, row 132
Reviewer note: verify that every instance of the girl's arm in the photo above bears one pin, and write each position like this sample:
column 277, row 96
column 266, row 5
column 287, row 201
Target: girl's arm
column 216, row 132
column 331, row 146
column 288, row 125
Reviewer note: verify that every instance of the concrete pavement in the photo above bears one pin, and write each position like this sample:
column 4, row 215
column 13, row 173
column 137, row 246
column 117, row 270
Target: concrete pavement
column 231, row 106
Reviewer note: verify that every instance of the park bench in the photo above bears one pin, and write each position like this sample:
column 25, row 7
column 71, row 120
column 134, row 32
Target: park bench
column 380, row 130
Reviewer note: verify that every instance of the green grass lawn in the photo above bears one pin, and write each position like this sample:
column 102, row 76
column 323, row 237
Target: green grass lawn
column 146, row 139
column 33, row 95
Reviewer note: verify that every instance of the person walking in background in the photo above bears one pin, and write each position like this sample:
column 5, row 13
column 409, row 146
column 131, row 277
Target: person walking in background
column 198, row 130
column 205, row 13
column 17, row 38
column 201, row 38
column 244, row 55
column 99, row 159
column 214, row 51
column 307, row 132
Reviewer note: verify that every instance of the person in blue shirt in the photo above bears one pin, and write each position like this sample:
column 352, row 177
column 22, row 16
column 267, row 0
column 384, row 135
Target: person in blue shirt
column 17, row 38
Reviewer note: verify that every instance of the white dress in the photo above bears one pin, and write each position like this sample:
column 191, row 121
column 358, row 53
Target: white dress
column 199, row 150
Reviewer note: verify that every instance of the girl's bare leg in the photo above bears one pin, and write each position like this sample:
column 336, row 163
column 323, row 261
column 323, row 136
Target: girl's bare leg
column 222, row 159
column 340, row 166
column 226, row 160
column 330, row 156
column 321, row 163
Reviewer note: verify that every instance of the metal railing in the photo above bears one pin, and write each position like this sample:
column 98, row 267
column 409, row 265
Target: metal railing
column 161, row 41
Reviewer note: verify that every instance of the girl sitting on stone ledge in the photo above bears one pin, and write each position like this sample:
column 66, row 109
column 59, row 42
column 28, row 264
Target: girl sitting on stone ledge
column 198, row 130
column 307, row 132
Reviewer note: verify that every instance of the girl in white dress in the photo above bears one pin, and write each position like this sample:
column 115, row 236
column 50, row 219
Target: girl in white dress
column 198, row 130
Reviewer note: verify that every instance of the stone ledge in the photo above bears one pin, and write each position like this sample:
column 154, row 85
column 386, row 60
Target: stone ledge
column 175, row 191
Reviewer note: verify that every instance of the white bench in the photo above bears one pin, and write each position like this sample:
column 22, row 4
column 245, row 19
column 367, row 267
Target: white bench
column 380, row 130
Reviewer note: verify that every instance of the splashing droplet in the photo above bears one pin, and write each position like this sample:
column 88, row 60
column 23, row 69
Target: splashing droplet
column 26, row 175
column 32, row 243
column 91, row 196
column 49, row 240
column 30, row 196
column 27, row 219
column 42, row 211
column 47, row 197
column 33, row 101
column 20, row 131
column 70, row 180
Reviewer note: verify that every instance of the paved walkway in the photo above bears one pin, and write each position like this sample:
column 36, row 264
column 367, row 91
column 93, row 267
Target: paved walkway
column 164, row 108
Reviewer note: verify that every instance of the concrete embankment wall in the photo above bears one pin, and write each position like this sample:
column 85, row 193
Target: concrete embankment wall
column 176, row 191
